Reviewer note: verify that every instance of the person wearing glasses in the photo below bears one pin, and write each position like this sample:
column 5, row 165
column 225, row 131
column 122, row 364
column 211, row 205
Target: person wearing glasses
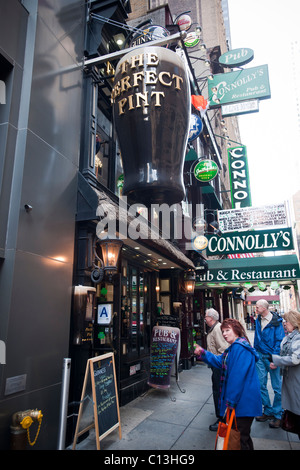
column 289, row 363
column 216, row 344
column 269, row 333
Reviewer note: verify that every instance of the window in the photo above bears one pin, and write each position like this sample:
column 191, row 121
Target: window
column 101, row 159
column 134, row 305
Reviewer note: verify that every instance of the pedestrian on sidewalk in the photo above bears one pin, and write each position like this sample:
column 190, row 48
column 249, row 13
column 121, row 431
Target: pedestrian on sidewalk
column 248, row 321
column 252, row 321
column 289, row 363
column 269, row 333
column 240, row 387
column 216, row 344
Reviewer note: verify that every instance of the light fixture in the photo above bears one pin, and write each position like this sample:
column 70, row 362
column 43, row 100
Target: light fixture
column 189, row 281
column 110, row 250
column 119, row 39
column 198, row 30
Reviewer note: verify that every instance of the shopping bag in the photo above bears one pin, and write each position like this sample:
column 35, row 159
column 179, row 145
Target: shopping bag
column 290, row 422
column 228, row 435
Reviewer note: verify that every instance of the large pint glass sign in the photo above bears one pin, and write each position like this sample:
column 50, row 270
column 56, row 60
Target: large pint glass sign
column 151, row 105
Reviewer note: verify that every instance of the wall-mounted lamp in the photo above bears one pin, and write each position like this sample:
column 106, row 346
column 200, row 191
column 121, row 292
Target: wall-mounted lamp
column 110, row 251
column 189, row 281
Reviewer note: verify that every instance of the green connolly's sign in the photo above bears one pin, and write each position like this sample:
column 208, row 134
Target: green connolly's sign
column 250, row 242
column 242, row 85
column 239, row 177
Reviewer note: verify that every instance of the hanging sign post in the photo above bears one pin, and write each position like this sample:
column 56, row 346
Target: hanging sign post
column 99, row 405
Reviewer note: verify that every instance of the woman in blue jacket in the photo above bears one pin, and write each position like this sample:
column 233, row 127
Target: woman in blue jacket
column 240, row 388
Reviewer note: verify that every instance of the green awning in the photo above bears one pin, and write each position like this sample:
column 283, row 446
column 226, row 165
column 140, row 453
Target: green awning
column 241, row 270
column 209, row 190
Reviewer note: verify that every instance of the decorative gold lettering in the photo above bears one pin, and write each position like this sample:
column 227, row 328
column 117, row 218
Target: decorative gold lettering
column 144, row 97
column 137, row 77
column 160, row 77
column 130, row 101
column 137, row 58
column 142, row 78
column 125, row 83
column 121, row 104
column 157, row 95
column 177, row 81
column 152, row 59
column 124, row 66
column 150, row 77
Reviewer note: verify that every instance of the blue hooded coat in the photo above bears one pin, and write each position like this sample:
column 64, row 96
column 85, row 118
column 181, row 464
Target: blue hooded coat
column 267, row 341
column 240, row 388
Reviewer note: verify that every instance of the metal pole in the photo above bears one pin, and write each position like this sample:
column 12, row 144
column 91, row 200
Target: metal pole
column 64, row 403
column 113, row 56
column 119, row 54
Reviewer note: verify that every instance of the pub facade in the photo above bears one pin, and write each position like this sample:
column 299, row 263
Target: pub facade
column 68, row 180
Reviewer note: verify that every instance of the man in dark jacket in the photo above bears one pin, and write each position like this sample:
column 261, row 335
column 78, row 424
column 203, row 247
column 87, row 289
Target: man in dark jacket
column 269, row 333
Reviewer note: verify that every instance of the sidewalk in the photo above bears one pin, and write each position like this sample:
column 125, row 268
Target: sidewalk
column 178, row 419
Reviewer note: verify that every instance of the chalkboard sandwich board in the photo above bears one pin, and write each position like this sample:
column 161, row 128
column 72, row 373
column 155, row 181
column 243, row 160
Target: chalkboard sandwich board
column 99, row 405
column 164, row 346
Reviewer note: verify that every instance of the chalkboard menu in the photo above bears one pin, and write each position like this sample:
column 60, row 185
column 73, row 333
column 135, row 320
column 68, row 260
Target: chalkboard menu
column 164, row 347
column 168, row 320
column 106, row 397
column 100, row 389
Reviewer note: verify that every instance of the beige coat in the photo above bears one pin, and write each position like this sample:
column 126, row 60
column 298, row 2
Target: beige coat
column 215, row 340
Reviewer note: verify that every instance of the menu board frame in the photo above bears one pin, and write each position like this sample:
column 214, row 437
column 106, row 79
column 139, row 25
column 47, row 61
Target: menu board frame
column 100, row 381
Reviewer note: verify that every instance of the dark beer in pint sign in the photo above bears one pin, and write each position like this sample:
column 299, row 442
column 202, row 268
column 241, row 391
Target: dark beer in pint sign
column 151, row 105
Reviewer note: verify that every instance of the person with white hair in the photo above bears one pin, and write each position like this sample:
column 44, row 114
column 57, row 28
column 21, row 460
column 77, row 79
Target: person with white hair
column 269, row 333
column 216, row 344
column 289, row 363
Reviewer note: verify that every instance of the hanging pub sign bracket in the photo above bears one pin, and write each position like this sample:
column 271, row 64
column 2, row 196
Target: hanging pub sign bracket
column 119, row 54
column 180, row 36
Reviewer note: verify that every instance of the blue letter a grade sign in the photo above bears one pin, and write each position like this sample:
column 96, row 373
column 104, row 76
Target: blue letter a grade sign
column 104, row 314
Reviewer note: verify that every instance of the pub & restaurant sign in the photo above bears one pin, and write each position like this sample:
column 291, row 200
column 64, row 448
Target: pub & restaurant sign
column 267, row 269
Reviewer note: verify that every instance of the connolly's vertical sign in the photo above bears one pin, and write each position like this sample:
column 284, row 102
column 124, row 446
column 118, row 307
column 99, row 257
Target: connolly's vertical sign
column 239, row 177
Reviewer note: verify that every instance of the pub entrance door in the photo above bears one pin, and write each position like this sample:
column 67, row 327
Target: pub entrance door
column 136, row 321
